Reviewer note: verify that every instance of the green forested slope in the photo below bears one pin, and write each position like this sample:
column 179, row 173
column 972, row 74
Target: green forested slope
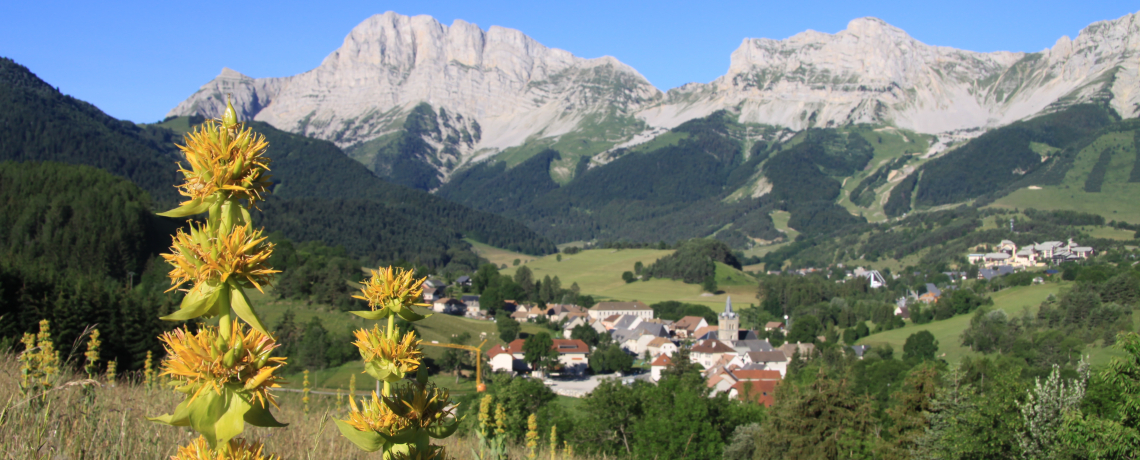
column 78, row 247
column 37, row 123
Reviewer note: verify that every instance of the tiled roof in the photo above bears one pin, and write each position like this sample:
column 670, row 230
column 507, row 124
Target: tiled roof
column 688, row 323
column 497, row 350
column 767, row 357
column 563, row 346
column 705, row 330
column 661, row 360
column 756, row 375
column 712, row 346
column 761, row 392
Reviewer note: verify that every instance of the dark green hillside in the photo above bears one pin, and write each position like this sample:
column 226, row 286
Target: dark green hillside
column 516, row 187
column 77, row 219
column 37, row 123
column 78, row 247
column 1005, row 155
column 317, row 170
column 672, row 192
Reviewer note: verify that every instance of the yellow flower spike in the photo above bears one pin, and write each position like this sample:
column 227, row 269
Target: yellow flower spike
column 219, row 267
column 241, row 253
column 385, row 359
column 425, row 406
column 223, row 166
column 392, row 291
column 192, row 362
column 238, row 449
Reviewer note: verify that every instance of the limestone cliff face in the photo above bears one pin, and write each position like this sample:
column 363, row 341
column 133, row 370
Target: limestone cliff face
column 873, row 72
column 512, row 85
column 518, row 90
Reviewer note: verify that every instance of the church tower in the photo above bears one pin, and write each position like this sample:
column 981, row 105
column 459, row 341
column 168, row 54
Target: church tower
column 729, row 325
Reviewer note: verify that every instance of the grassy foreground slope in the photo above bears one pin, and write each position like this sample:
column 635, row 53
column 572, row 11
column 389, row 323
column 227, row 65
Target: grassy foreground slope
column 948, row 332
column 598, row 273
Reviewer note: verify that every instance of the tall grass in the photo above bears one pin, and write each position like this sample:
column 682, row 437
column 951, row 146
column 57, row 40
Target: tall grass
column 109, row 422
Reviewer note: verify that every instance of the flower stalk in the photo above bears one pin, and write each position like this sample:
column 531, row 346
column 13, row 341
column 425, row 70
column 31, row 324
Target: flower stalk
column 226, row 371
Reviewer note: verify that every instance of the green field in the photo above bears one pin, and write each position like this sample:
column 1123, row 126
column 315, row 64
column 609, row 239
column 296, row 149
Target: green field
column 948, row 332
column 598, row 273
column 498, row 256
column 780, row 221
column 1115, row 201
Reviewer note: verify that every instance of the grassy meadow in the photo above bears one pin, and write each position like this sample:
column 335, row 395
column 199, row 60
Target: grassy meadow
column 1116, row 198
column 109, row 422
column 598, row 273
column 1014, row 301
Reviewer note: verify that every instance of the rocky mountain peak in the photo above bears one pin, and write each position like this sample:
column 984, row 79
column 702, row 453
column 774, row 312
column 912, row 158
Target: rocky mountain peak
column 519, row 91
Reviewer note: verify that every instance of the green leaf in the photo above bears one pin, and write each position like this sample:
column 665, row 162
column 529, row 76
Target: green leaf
column 411, row 316
column 196, row 303
column 372, row 315
column 180, row 417
column 368, row 441
column 196, row 206
column 259, row 415
column 442, row 431
column 240, row 303
column 232, row 420
column 204, row 413
column 385, row 372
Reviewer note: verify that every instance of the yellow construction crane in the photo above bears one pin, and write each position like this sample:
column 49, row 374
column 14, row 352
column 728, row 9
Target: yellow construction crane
column 478, row 351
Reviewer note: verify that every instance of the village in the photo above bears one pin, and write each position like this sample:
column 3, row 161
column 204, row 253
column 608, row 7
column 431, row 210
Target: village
column 734, row 361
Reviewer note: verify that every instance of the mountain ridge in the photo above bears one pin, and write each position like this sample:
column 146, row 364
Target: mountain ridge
column 521, row 92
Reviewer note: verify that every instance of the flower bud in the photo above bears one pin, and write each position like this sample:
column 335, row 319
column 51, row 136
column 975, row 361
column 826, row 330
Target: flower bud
column 229, row 118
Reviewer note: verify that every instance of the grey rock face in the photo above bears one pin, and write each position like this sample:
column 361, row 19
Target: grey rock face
column 519, row 90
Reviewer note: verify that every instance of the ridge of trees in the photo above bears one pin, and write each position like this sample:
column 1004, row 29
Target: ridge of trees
column 40, row 124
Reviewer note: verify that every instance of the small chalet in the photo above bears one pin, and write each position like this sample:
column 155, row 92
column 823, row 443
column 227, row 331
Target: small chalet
column 573, row 356
column 708, row 352
column 661, row 346
column 660, row 363
column 463, row 280
column 770, row 360
column 471, row 302
column 433, row 289
column 687, row 327
column 773, row 325
column 449, row 306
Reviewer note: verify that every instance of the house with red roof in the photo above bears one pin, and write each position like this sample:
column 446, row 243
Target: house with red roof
column 708, row 352
column 573, row 356
column 659, row 364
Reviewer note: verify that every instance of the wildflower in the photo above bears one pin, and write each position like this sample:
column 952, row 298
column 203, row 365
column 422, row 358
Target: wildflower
column 531, row 435
column 236, row 449
column 227, row 163
column 92, row 354
column 201, row 361
column 111, row 366
column 386, row 359
column 148, row 369
column 305, row 390
column 224, row 380
column 392, row 292
column 220, row 264
column 39, row 362
column 415, row 412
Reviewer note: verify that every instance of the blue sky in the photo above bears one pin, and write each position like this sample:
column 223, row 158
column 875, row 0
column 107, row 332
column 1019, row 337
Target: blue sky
column 137, row 60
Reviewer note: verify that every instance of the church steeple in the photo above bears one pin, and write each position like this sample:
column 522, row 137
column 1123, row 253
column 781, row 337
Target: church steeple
column 729, row 327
